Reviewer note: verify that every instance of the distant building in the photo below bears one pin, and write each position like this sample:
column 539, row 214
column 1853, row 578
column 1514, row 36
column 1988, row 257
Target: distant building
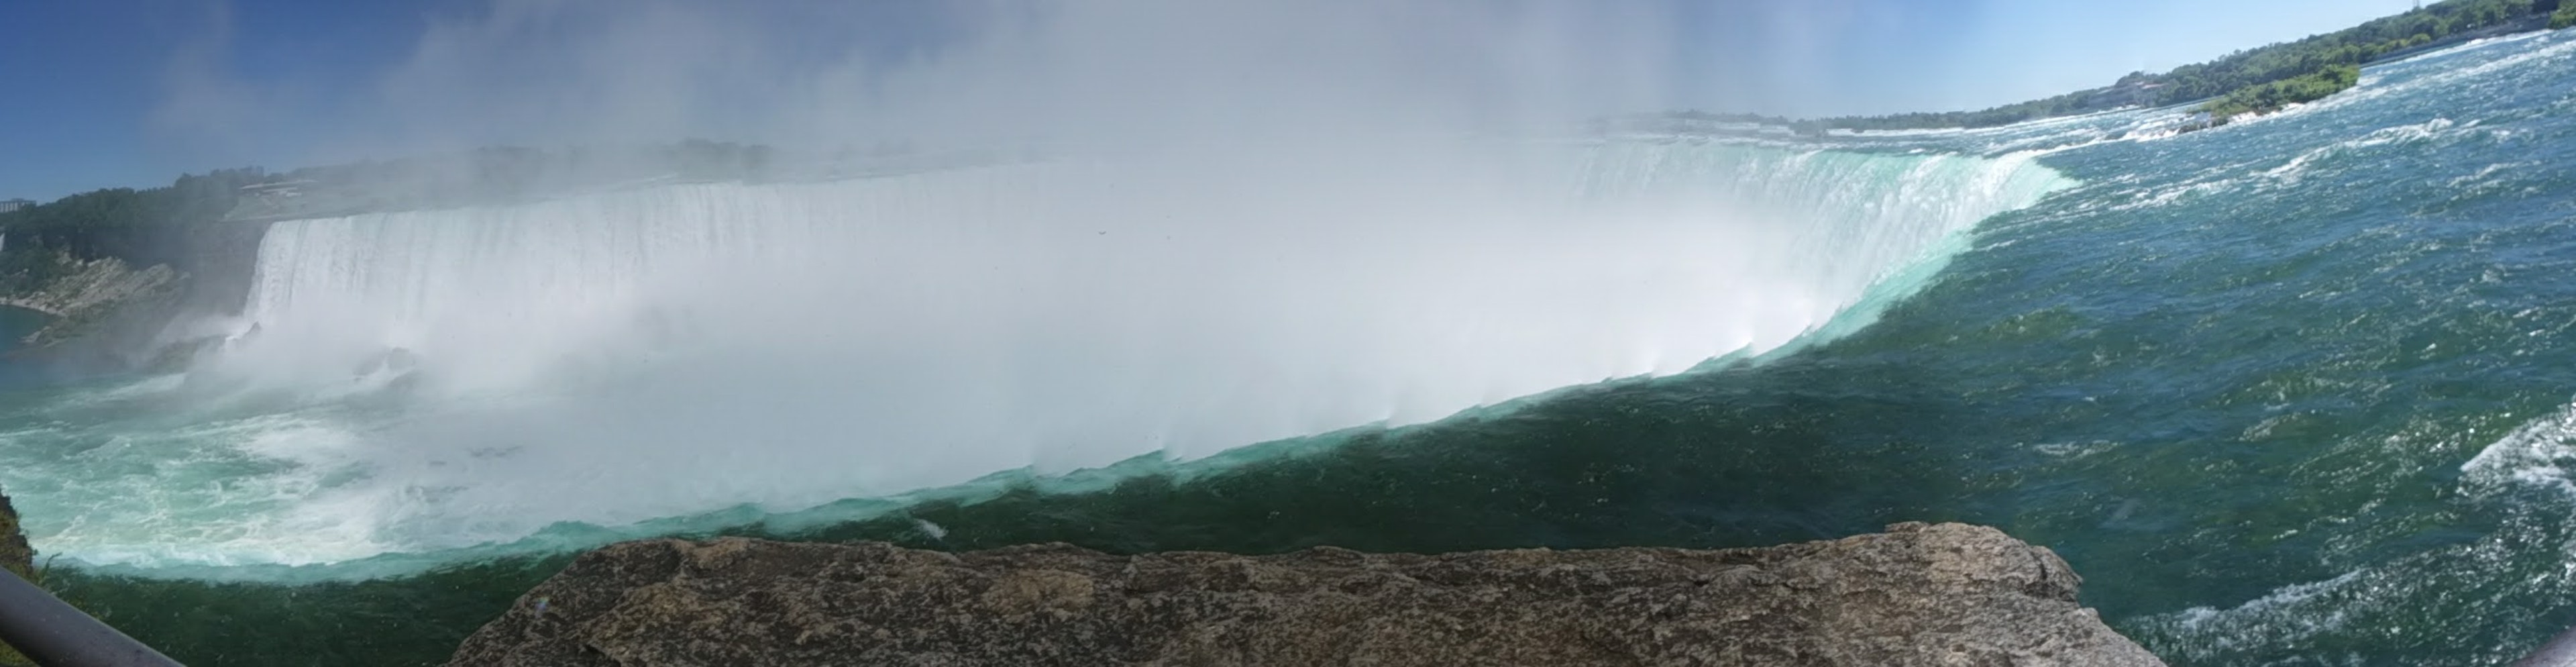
column 278, row 189
column 7, row 205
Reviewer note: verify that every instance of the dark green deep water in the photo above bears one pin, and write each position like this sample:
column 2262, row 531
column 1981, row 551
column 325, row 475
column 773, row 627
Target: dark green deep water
column 2290, row 392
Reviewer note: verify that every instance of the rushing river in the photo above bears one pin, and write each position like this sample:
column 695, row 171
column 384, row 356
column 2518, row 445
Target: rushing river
column 2300, row 390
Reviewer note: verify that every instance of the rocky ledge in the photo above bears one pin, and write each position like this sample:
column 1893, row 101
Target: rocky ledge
column 15, row 555
column 1918, row 594
column 17, row 558
column 90, row 296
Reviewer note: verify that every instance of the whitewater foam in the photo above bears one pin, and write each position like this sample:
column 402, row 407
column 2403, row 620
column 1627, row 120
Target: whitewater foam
column 2286, row 615
column 2436, row 129
column 2538, row 453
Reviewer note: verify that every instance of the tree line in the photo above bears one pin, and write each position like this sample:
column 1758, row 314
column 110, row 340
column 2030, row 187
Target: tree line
column 2270, row 77
column 129, row 224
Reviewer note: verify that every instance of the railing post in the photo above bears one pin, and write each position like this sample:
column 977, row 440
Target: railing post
column 56, row 635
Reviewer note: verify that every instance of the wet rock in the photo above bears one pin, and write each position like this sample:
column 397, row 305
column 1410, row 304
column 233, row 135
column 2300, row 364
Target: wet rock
column 18, row 558
column 1917, row 595
column 14, row 552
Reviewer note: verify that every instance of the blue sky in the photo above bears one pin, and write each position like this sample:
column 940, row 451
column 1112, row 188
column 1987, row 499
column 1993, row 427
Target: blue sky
column 109, row 93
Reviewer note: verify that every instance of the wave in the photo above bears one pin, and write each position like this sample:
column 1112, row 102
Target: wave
column 2536, row 454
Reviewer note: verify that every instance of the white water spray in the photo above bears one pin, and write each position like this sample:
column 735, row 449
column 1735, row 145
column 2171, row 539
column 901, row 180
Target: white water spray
column 621, row 357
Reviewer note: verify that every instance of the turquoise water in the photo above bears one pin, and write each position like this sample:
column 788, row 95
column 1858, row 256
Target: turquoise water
column 15, row 324
column 2296, row 391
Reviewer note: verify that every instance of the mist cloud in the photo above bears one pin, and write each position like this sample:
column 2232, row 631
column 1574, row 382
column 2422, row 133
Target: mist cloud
column 796, row 72
column 1251, row 221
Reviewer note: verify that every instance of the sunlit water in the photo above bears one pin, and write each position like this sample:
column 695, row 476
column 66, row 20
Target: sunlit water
column 2293, row 391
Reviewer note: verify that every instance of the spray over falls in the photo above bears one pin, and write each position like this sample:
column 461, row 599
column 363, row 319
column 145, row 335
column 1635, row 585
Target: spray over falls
column 424, row 380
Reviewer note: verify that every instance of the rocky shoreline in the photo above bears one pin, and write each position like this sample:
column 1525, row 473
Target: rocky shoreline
column 106, row 314
column 93, row 298
column 1919, row 594
column 91, row 291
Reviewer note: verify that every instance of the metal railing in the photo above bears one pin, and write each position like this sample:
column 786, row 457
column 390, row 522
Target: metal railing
column 54, row 634
column 2559, row 652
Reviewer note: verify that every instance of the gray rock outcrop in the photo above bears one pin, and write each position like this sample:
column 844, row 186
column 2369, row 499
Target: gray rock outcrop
column 1919, row 594
column 91, row 284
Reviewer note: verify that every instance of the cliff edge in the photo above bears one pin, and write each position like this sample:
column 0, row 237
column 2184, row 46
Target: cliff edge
column 1918, row 594
column 83, row 295
column 14, row 552
column 17, row 557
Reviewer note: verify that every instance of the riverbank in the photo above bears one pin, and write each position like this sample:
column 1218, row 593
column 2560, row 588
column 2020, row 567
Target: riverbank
column 2254, row 80
column 2533, row 23
column 87, row 295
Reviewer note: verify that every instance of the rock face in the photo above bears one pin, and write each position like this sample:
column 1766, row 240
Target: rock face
column 14, row 552
column 91, row 284
column 93, row 297
column 18, row 558
column 1917, row 595
column 113, row 316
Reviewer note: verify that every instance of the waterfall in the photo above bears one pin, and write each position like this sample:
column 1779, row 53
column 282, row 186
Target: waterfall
column 622, row 356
